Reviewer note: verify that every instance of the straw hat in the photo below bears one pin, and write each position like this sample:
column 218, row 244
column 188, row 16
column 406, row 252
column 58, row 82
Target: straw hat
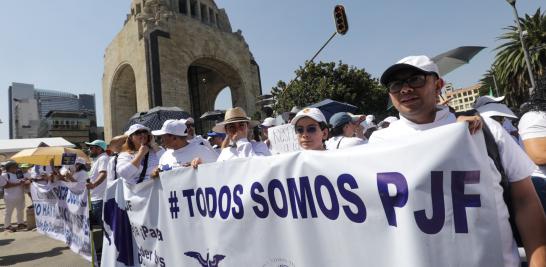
column 233, row 115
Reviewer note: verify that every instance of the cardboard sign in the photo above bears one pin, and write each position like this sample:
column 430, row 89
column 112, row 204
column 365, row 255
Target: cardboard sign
column 283, row 139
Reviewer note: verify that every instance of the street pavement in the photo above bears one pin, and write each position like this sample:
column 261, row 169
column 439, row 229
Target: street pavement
column 30, row 248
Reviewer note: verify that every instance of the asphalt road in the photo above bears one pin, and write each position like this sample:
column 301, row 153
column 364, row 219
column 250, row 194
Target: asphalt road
column 30, row 248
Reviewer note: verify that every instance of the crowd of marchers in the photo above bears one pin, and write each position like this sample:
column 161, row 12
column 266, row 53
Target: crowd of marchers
column 414, row 86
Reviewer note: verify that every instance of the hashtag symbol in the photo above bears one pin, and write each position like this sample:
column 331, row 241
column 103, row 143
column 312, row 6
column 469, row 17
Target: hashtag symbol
column 174, row 205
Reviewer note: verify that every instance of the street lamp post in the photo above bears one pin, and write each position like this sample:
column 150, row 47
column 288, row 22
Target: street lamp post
column 526, row 54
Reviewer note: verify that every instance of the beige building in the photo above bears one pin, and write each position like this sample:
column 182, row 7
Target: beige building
column 74, row 126
column 463, row 98
column 175, row 53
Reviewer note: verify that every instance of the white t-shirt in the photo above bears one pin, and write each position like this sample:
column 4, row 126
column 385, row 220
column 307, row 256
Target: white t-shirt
column 178, row 158
column 100, row 164
column 533, row 125
column 244, row 149
column 12, row 193
column 516, row 164
column 80, row 177
column 130, row 172
column 340, row 142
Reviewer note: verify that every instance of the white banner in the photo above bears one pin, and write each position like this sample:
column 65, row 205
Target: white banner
column 283, row 139
column 426, row 200
column 62, row 213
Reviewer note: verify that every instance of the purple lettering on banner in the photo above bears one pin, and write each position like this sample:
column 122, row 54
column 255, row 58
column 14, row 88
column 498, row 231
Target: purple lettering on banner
column 360, row 215
column 399, row 181
column 210, row 193
column 188, row 193
column 434, row 224
column 299, row 201
column 259, row 199
column 201, row 206
column 239, row 212
column 280, row 211
column 224, row 191
column 321, row 181
column 461, row 200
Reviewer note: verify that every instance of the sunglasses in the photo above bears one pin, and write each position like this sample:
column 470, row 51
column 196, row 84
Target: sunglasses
column 311, row 129
column 140, row 132
column 414, row 81
column 235, row 125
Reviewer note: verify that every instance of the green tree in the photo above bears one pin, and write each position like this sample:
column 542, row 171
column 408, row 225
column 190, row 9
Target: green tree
column 510, row 68
column 340, row 82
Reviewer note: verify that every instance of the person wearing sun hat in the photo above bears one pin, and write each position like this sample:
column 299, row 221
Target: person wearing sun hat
column 264, row 126
column 139, row 156
column 236, row 126
column 311, row 128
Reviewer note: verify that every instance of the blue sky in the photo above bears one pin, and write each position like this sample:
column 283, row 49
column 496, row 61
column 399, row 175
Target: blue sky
column 60, row 44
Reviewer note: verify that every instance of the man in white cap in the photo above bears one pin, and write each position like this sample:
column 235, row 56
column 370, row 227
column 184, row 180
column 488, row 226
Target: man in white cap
column 492, row 107
column 179, row 152
column 97, row 177
column 266, row 124
column 236, row 125
column 192, row 137
column 414, row 84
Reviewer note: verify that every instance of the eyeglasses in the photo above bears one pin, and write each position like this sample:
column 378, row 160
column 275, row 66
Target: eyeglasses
column 140, row 132
column 415, row 81
column 311, row 129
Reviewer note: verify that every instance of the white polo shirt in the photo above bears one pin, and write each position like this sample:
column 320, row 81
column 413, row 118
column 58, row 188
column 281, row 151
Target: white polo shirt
column 340, row 142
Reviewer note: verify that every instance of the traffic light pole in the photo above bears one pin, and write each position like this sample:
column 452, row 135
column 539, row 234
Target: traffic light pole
column 325, row 44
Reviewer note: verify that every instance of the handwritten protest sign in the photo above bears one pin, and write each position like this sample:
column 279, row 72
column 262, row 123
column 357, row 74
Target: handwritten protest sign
column 283, row 139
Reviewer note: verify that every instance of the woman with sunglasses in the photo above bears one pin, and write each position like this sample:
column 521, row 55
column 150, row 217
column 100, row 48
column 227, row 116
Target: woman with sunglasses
column 311, row 128
column 139, row 156
column 237, row 127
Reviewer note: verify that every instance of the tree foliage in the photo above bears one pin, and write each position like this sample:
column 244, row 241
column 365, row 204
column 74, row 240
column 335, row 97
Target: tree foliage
column 510, row 68
column 318, row 81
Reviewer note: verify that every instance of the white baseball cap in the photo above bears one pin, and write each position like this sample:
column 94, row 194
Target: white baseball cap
column 496, row 109
column 419, row 63
column 269, row 122
column 136, row 127
column 483, row 100
column 174, row 127
column 313, row 113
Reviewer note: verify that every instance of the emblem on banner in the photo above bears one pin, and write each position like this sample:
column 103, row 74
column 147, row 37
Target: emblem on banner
column 279, row 262
column 205, row 262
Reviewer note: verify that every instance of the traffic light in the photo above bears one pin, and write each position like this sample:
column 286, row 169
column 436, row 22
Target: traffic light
column 342, row 25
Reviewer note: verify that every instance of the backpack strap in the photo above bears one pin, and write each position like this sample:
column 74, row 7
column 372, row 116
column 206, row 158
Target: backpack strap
column 494, row 154
column 144, row 168
column 339, row 143
column 115, row 166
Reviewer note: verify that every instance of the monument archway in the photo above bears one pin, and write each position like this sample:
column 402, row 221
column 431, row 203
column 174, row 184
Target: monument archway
column 123, row 98
column 182, row 53
column 207, row 77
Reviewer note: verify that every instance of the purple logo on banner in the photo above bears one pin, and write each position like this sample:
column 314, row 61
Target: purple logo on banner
column 205, row 262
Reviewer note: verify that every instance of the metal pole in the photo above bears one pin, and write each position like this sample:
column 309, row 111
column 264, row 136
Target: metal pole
column 495, row 82
column 526, row 54
column 318, row 52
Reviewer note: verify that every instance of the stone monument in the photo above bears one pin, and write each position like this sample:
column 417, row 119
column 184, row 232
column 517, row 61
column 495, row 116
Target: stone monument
column 175, row 53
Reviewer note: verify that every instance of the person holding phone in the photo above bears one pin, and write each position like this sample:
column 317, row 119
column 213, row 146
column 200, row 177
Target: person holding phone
column 236, row 126
column 139, row 156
